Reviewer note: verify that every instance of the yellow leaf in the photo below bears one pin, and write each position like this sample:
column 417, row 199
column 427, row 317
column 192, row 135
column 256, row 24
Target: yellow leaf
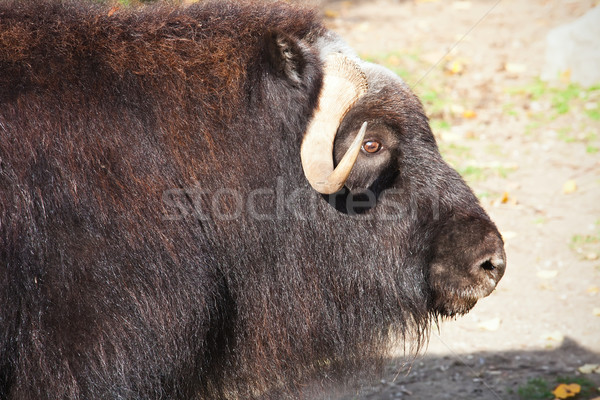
column 505, row 198
column 455, row 67
column 469, row 114
column 593, row 290
column 555, row 336
column 570, row 186
column 564, row 391
column 331, row 14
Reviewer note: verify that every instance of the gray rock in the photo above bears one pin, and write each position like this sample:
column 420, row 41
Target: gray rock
column 576, row 47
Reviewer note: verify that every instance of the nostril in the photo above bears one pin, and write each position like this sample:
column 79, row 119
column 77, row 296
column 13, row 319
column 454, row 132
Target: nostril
column 488, row 266
column 493, row 267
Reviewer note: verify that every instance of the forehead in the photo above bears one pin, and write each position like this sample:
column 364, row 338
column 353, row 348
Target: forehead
column 382, row 81
column 378, row 76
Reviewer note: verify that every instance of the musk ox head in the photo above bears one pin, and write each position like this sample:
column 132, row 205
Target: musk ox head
column 369, row 141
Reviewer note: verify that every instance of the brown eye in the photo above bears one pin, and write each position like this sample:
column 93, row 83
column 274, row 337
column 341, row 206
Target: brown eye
column 371, row 146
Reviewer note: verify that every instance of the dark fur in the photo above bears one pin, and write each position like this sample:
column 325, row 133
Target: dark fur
column 112, row 129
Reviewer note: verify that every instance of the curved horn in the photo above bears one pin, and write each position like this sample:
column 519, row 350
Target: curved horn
column 343, row 84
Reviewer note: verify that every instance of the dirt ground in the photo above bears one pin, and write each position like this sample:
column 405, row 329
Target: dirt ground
column 536, row 168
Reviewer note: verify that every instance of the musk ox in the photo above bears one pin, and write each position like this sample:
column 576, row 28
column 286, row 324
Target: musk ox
column 216, row 202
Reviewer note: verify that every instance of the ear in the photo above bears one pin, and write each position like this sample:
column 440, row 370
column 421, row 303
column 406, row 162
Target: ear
column 285, row 56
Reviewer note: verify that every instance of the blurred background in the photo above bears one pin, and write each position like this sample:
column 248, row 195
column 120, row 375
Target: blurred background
column 530, row 149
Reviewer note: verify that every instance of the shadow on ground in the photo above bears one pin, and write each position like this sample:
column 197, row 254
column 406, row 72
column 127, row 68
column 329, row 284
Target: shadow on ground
column 485, row 375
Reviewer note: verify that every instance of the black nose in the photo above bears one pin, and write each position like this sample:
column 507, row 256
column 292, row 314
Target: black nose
column 491, row 263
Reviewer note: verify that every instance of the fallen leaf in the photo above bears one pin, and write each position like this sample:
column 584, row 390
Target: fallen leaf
column 505, row 198
column 547, row 274
column 554, row 336
column 546, row 286
column 593, row 290
column 331, row 14
column 457, row 109
column 515, row 68
column 469, row 114
column 455, row 67
column 462, row 5
column 589, row 368
column 490, row 325
column 564, row 391
column 570, row 186
column 565, row 76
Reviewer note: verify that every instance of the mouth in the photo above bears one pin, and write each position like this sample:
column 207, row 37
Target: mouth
column 453, row 305
column 452, row 302
column 456, row 290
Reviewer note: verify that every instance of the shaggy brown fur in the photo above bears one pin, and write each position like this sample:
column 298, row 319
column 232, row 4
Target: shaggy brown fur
column 131, row 145
column 99, row 115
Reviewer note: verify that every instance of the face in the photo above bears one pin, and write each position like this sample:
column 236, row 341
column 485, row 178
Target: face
column 463, row 250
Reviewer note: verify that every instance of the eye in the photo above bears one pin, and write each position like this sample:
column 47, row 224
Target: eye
column 371, row 146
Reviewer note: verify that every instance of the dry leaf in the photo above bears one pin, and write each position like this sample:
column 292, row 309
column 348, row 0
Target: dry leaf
column 564, row 391
column 331, row 14
column 462, row 5
column 593, row 290
column 589, row 368
column 457, row 109
column 554, row 336
column 547, row 274
column 469, row 114
column 505, row 198
column 570, row 186
column 515, row 68
column 455, row 67
column 565, row 76
column 490, row 325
